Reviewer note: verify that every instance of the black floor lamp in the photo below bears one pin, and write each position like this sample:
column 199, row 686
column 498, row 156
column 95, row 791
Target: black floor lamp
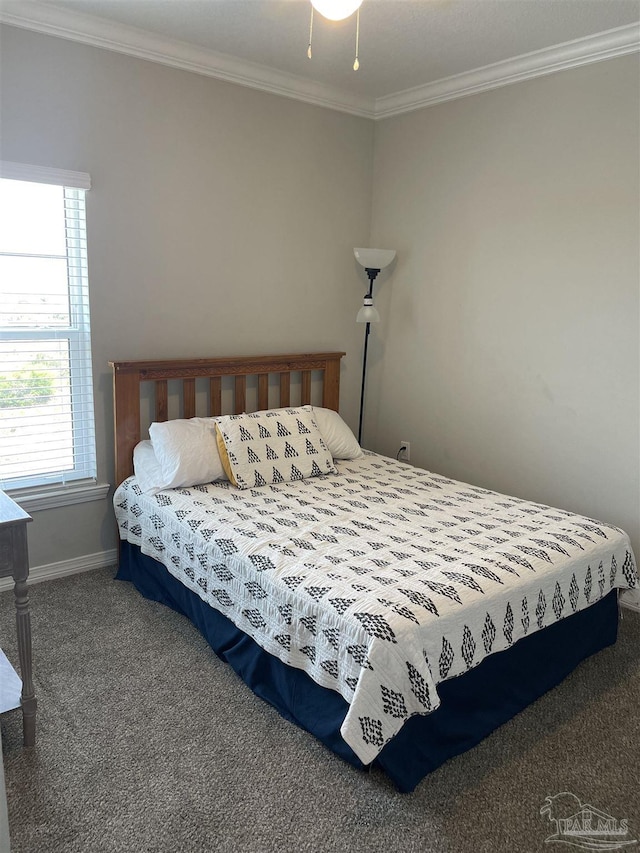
column 373, row 260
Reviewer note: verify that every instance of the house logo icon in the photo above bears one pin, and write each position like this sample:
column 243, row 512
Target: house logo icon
column 584, row 826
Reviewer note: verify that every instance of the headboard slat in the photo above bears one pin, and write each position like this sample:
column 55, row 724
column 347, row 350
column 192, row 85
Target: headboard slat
column 162, row 401
column 128, row 376
column 189, row 398
column 263, row 391
column 241, row 395
column 215, row 396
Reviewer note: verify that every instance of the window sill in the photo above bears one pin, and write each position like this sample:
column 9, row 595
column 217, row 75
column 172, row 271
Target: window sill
column 34, row 500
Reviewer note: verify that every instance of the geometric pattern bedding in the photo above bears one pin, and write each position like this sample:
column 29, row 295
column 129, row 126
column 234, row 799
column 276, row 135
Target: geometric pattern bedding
column 380, row 581
column 277, row 446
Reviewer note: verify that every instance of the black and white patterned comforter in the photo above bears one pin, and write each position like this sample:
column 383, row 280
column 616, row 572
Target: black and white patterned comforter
column 380, row 581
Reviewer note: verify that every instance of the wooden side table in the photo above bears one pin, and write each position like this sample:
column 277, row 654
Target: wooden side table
column 14, row 562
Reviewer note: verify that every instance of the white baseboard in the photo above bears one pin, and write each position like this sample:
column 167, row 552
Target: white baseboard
column 74, row 566
column 630, row 598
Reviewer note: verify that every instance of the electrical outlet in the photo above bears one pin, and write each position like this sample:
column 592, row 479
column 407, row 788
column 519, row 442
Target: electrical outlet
column 404, row 454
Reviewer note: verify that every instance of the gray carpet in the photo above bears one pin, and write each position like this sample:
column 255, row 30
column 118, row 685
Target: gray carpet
column 147, row 742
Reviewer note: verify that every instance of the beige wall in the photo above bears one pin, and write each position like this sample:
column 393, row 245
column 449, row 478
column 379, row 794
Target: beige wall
column 509, row 354
column 221, row 221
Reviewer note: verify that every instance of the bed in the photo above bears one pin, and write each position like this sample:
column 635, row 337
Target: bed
column 396, row 614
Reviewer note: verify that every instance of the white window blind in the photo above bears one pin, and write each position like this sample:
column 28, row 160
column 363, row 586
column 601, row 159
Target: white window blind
column 47, row 432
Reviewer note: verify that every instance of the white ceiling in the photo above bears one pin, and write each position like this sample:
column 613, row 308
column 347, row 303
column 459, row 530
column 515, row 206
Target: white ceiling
column 409, row 49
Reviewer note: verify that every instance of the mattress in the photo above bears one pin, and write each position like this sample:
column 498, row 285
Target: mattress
column 380, row 582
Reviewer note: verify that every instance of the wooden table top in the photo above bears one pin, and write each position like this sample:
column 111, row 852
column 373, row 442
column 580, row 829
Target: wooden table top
column 10, row 512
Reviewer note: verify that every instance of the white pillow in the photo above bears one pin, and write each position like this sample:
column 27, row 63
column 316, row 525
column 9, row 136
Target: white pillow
column 338, row 437
column 147, row 468
column 187, row 452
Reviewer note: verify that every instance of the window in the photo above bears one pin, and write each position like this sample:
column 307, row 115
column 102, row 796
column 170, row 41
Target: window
column 47, row 433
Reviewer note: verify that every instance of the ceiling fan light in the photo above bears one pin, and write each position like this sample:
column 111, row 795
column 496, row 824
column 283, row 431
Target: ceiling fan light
column 336, row 10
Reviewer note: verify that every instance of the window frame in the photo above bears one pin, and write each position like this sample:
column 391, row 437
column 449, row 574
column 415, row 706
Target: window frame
column 44, row 490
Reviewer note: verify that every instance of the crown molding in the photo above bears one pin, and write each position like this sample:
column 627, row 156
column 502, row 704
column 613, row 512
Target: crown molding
column 571, row 54
column 132, row 41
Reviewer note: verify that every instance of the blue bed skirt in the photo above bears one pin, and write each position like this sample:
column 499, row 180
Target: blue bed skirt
column 473, row 705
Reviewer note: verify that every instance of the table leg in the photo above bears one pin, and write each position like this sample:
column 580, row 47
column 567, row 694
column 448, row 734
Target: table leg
column 23, row 626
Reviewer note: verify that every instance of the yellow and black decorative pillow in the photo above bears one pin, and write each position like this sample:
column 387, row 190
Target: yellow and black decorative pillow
column 276, row 446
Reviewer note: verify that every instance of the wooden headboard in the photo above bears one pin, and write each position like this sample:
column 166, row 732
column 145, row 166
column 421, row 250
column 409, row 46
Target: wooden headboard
column 128, row 376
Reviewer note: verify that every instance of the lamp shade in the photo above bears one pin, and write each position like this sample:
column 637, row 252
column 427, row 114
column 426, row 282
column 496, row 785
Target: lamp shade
column 368, row 314
column 336, row 10
column 374, row 259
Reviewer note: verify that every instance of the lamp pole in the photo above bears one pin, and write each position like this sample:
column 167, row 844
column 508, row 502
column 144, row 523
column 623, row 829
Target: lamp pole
column 371, row 273
column 364, row 374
